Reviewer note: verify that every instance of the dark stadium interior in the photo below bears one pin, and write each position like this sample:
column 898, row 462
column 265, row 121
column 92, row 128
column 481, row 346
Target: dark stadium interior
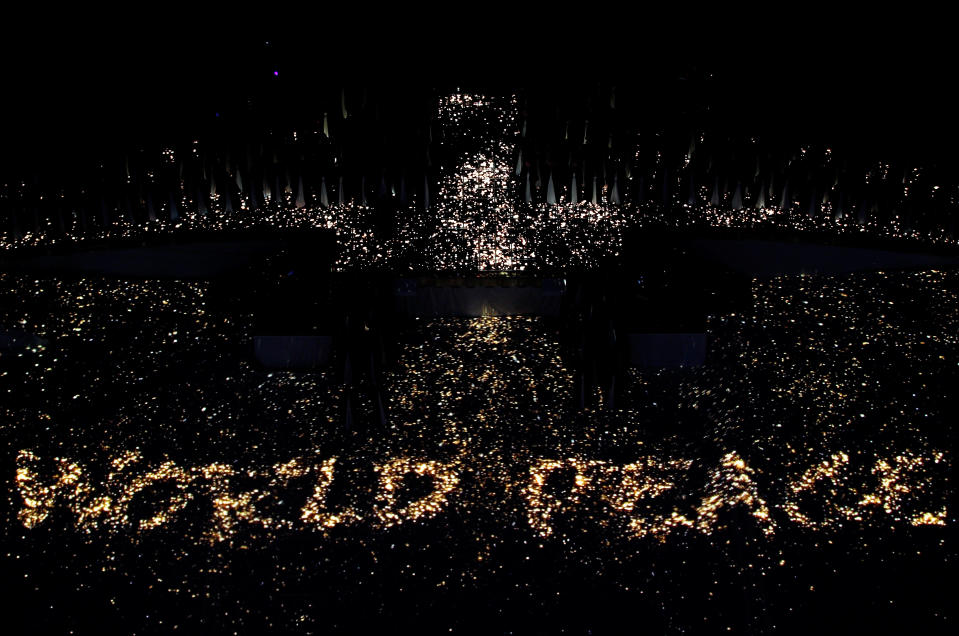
column 531, row 337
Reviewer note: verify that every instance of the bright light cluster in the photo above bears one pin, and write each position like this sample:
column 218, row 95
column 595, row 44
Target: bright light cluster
column 148, row 448
column 480, row 217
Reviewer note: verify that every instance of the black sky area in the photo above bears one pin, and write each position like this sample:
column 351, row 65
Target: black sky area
column 78, row 94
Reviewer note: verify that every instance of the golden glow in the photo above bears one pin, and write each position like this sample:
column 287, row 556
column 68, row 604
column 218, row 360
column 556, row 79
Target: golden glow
column 624, row 488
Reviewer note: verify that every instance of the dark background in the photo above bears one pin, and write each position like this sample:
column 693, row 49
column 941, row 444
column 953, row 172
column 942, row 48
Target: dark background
column 74, row 90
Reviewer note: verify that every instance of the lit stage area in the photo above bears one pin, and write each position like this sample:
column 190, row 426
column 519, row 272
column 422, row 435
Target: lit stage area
column 526, row 382
column 493, row 472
